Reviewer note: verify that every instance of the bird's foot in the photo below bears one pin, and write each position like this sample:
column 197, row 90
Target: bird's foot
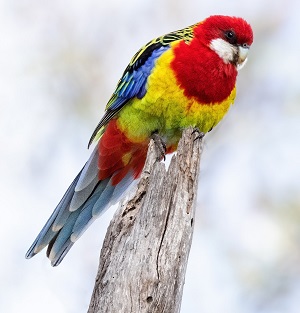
column 199, row 135
column 160, row 145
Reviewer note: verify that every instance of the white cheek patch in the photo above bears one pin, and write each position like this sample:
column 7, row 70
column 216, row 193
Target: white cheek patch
column 224, row 50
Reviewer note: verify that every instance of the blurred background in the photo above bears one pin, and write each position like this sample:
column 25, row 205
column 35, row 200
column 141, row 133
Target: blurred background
column 60, row 62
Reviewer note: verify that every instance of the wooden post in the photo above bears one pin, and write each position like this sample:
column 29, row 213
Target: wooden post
column 145, row 252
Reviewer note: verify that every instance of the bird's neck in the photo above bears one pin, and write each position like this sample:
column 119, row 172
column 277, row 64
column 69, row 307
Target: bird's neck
column 202, row 73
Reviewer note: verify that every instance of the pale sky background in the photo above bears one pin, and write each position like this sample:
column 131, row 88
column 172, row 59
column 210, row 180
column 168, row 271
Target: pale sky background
column 60, row 62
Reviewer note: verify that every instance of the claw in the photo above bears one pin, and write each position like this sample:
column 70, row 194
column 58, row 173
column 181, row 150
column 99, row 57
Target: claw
column 200, row 134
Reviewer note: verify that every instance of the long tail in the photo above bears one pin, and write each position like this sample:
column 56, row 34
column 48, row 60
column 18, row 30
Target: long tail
column 100, row 183
column 84, row 201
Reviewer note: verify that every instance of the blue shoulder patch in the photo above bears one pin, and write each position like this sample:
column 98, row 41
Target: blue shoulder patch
column 133, row 82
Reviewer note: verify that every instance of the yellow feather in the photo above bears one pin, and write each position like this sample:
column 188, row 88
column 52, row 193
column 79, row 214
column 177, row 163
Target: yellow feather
column 165, row 107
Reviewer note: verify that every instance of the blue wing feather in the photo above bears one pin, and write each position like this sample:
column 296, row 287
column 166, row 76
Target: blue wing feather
column 133, row 82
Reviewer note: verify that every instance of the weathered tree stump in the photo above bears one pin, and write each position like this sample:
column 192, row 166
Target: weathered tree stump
column 145, row 252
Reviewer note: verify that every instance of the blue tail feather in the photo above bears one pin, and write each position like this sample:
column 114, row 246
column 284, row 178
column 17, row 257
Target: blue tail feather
column 63, row 235
column 89, row 172
column 46, row 234
column 64, row 250
column 80, row 197
column 82, row 222
column 78, row 208
column 103, row 201
column 121, row 187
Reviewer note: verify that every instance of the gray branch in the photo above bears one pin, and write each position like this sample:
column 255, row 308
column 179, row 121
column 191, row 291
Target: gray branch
column 145, row 252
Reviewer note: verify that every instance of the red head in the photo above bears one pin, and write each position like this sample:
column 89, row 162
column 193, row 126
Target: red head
column 218, row 26
column 230, row 37
column 207, row 66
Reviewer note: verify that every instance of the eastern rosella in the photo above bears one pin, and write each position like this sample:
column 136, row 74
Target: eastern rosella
column 185, row 78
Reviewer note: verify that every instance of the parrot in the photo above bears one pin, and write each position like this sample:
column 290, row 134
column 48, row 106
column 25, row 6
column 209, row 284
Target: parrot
column 181, row 79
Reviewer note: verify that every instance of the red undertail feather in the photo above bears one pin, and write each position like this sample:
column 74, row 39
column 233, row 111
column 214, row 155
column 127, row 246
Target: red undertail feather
column 118, row 156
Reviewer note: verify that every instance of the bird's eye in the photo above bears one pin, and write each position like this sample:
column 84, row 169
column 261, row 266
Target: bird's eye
column 231, row 36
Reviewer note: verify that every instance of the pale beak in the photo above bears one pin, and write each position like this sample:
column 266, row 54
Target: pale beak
column 243, row 54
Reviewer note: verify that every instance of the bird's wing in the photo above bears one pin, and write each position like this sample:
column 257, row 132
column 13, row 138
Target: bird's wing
column 133, row 81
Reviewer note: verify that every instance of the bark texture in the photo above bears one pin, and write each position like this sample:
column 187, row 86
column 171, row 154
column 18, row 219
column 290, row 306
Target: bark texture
column 145, row 252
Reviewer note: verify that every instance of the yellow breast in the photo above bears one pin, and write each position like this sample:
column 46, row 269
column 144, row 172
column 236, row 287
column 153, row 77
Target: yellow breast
column 165, row 107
